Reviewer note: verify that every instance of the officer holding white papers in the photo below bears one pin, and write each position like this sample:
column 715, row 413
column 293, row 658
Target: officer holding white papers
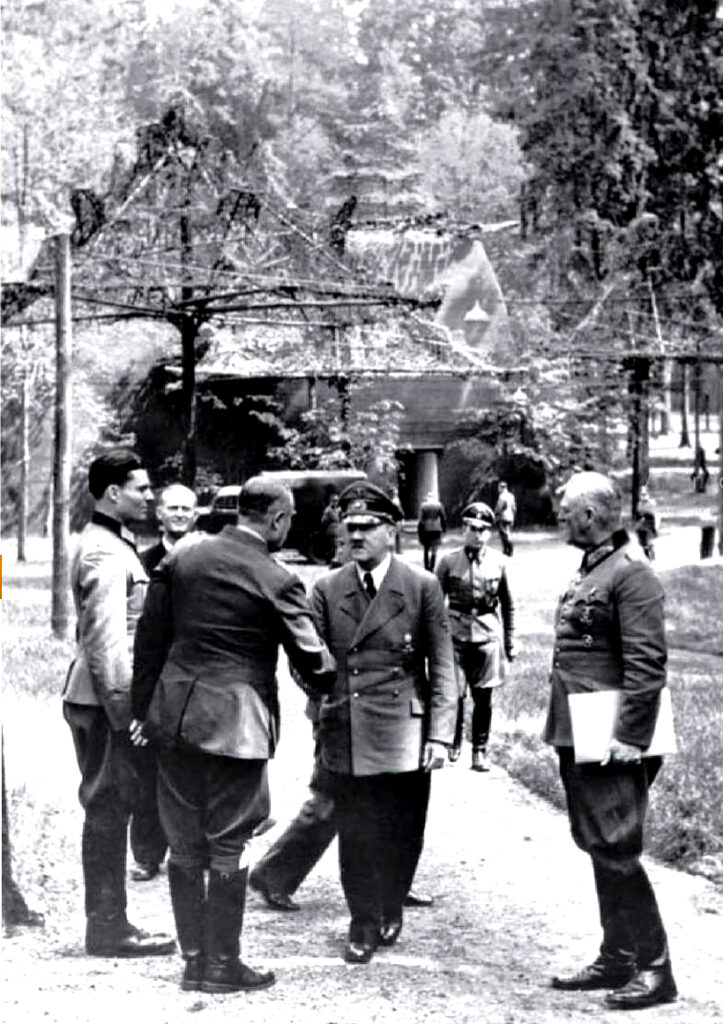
column 610, row 634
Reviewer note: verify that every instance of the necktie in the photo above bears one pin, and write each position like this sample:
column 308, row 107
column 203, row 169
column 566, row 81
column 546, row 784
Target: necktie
column 369, row 585
column 472, row 554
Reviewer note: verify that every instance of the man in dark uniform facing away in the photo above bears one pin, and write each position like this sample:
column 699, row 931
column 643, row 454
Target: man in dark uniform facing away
column 205, row 691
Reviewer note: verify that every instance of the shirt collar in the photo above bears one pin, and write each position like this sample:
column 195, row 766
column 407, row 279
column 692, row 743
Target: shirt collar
column 378, row 573
column 603, row 550
column 115, row 526
column 166, row 543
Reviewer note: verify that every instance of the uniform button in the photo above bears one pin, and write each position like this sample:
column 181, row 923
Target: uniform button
column 587, row 640
column 395, row 693
column 355, row 695
column 355, row 671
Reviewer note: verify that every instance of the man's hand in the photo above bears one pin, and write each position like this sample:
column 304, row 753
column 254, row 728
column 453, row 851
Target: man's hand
column 135, row 731
column 434, row 755
column 621, row 753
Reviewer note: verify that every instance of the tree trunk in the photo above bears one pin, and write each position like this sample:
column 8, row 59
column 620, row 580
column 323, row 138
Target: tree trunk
column 189, row 334
column 639, row 390
column 684, row 436
column 665, row 397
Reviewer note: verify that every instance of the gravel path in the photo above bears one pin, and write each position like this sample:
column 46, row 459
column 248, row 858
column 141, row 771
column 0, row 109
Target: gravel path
column 513, row 903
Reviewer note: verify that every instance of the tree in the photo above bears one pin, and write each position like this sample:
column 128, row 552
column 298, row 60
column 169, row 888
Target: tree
column 472, row 165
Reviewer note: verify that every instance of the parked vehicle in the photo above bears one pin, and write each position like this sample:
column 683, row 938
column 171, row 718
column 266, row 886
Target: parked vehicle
column 311, row 489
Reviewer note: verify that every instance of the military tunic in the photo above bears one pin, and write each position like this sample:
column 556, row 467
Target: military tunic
column 481, row 609
column 610, row 634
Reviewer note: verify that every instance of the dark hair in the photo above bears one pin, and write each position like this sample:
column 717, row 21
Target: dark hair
column 112, row 467
column 258, row 495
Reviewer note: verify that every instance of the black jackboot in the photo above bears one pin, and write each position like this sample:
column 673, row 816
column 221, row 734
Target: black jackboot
column 225, row 906
column 188, row 898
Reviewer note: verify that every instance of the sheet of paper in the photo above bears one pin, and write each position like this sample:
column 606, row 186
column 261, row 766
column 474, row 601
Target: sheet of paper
column 593, row 718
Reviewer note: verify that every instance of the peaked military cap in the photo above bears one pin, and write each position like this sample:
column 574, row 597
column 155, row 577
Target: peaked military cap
column 479, row 514
column 367, row 504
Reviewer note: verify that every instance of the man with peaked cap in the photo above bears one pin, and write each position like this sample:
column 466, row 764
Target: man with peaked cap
column 389, row 718
column 481, row 612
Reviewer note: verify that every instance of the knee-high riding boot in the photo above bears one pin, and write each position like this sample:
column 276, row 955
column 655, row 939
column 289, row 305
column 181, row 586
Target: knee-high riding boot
column 188, row 898
column 225, row 906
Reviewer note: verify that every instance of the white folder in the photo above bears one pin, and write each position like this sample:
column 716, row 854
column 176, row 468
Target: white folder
column 594, row 716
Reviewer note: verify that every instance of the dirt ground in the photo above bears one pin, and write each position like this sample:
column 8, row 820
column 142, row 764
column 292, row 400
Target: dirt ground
column 514, row 903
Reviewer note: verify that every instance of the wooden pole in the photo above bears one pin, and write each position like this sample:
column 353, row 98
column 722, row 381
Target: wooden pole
column 684, row 436
column 59, row 617
column 720, row 460
column 24, row 455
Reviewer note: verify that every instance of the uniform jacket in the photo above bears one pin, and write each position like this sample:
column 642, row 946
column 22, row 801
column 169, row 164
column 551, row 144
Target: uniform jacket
column 506, row 508
column 109, row 585
column 431, row 518
column 395, row 684
column 610, row 634
column 207, row 645
column 481, row 608
column 152, row 556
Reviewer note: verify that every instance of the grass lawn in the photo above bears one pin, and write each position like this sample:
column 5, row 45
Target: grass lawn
column 685, row 824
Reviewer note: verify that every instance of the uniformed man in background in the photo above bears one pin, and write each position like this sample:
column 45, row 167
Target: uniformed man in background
column 482, row 615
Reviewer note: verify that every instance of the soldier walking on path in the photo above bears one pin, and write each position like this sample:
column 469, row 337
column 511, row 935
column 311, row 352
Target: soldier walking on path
column 610, row 634
column 430, row 528
column 482, row 616
column 505, row 514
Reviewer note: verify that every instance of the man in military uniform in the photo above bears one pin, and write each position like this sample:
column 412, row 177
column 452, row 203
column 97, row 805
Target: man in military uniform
column 205, row 690
column 431, row 526
column 482, row 615
column 389, row 717
column 505, row 513
column 109, row 585
column 610, row 634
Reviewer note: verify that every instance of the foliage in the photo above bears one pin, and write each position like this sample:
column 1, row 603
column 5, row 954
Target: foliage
column 234, row 432
column 472, row 165
column 620, row 118
column 533, row 438
column 340, row 434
